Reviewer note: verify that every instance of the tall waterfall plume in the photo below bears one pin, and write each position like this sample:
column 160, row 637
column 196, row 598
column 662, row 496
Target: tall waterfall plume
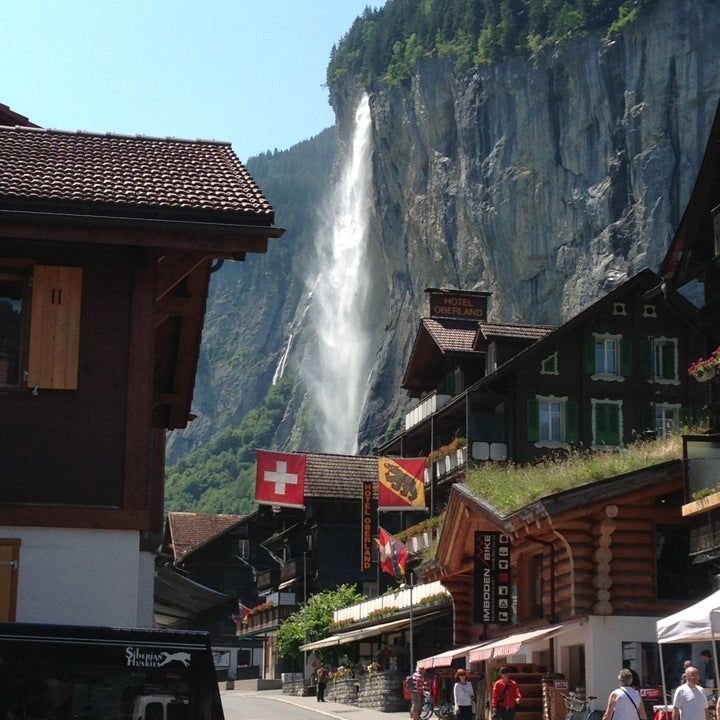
column 337, row 378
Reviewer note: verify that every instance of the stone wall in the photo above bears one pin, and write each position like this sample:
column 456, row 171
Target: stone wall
column 379, row 691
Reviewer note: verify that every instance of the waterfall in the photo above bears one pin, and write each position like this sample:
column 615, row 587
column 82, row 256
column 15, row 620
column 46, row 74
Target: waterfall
column 337, row 378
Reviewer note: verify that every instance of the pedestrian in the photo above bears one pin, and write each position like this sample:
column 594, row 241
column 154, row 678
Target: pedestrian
column 689, row 701
column 417, row 686
column 322, row 677
column 505, row 696
column 708, row 669
column 686, row 665
column 625, row 703
column 635, row 677
column 463, row 696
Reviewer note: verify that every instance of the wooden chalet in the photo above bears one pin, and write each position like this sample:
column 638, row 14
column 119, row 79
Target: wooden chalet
column 692, row 268
column 205, row 570
column 316, row 548
column 614, row 372
column 591, row 569
column 107, row 244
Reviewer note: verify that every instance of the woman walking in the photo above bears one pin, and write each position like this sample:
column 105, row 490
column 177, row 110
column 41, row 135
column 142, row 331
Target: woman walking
column 463, row 695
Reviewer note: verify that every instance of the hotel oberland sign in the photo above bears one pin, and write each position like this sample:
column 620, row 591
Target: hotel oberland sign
column 492, row 601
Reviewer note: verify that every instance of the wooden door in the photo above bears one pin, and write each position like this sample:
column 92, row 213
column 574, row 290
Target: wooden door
column 9, row 565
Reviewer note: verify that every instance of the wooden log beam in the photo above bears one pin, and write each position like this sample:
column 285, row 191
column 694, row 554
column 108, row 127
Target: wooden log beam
column 172, row 268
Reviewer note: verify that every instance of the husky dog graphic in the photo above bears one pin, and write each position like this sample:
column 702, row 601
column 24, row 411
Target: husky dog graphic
column 182, row 657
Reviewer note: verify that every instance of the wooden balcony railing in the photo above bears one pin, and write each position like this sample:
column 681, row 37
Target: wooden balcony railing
column 268, row 580
column 269, row 618
column 296, row 569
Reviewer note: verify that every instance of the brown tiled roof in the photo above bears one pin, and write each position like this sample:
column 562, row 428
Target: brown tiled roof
column 190, row 531
column 510, row 330
column 452, row 335
column 137, row 172
column 9, row 117
column 338, row 476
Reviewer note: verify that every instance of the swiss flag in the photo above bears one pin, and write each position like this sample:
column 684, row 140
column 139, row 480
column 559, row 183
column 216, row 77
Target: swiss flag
column 280, row 478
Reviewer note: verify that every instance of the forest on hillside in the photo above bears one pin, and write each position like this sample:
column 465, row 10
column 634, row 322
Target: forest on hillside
column 383, row 45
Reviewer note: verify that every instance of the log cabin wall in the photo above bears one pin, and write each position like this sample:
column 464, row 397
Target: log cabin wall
column 604, row 547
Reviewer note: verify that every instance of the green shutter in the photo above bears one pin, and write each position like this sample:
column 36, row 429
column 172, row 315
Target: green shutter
column 533, row 420
column 590, row 354
column 571, row 422
column 613, row 430
column 646, row 358
column 626, row 357
column 648, row 416
column 668, row 356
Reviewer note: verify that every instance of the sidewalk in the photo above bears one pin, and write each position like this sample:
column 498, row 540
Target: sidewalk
column 329, row 709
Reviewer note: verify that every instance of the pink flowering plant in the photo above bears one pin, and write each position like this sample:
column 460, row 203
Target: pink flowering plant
column 706, row 369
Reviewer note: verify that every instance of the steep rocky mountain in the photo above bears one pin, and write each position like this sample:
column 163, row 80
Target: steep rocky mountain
column 546, row 179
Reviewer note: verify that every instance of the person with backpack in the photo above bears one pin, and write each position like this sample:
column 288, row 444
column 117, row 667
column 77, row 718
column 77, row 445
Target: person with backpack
column 505, row 696
column 322, row 677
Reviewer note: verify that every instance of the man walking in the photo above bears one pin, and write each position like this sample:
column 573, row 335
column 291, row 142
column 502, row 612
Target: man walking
column 417, row 686
column 689, row 701
column 505, row 696
column 322, row 678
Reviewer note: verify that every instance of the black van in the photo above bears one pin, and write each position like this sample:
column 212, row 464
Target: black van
column 66, row 672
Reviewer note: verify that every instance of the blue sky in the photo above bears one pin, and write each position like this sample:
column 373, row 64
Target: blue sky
column 251, row 72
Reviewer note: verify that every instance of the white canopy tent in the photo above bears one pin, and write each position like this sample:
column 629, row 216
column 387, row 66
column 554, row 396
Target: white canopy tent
column 698, row 623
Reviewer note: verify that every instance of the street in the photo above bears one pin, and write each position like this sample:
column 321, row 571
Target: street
column 273, row 705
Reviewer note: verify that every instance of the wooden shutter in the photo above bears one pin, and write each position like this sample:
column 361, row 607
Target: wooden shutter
column 646, row 363
column 9, row 559
column 55, row 327
column 668, row 356
column 533, row 420
column 590, row 354
column 571, row 422
column 626, row 357
column 613, row 429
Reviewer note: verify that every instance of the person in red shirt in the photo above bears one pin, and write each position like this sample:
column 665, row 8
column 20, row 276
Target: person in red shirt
column 505, row 696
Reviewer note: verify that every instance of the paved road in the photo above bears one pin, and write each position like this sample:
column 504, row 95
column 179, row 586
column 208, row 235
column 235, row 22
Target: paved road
column 273, row 705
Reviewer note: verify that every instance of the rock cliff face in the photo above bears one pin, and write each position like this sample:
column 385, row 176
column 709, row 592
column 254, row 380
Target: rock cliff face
column 546, row 181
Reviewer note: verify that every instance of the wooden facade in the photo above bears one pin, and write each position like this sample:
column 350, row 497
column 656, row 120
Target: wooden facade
column 613, row 373
column 613, row 547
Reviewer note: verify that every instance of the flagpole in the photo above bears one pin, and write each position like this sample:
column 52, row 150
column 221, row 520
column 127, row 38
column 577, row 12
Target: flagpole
column 412, row 640
column 377, row 532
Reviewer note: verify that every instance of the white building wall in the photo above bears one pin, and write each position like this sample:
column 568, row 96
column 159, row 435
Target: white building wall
column 80, row 576
column 146, row 584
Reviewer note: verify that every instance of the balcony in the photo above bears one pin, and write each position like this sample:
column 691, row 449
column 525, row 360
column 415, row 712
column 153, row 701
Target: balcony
column 268, row 580
column 702, row 473
column 448, row 464
column 426, row 407
column 268, row 619
column 704, row 539
column 298, row 569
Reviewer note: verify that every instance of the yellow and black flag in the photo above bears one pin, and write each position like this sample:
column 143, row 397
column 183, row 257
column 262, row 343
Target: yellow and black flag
column 401, row 483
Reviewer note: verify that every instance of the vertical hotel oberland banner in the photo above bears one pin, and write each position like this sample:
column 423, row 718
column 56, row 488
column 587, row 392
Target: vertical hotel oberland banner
column 492, row 601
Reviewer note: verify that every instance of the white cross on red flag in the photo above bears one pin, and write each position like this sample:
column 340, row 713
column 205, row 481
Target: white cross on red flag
column 280, row 478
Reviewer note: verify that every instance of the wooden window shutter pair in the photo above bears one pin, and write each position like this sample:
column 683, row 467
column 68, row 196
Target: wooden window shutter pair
column 55, row 327
column 607, row 424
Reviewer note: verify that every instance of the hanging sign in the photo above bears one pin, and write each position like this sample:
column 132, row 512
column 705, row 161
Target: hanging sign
column 367, row 525
column 492, row 600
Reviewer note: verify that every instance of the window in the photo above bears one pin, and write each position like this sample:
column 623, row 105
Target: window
column 619, row 308
column 491, row 359
column 607, row 426
column 243, row 549
column 549, row 366
column 608, row 357
column 552, row 421
column 13, row 298
column 667, row 418
column 665, row 360
column 39, row 349
column 649, row 311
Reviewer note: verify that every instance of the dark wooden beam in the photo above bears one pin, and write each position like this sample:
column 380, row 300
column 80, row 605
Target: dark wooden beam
column 139, row 397
column 102, row 518
column 172, row 307
column 172, row 268
column 223, row 241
